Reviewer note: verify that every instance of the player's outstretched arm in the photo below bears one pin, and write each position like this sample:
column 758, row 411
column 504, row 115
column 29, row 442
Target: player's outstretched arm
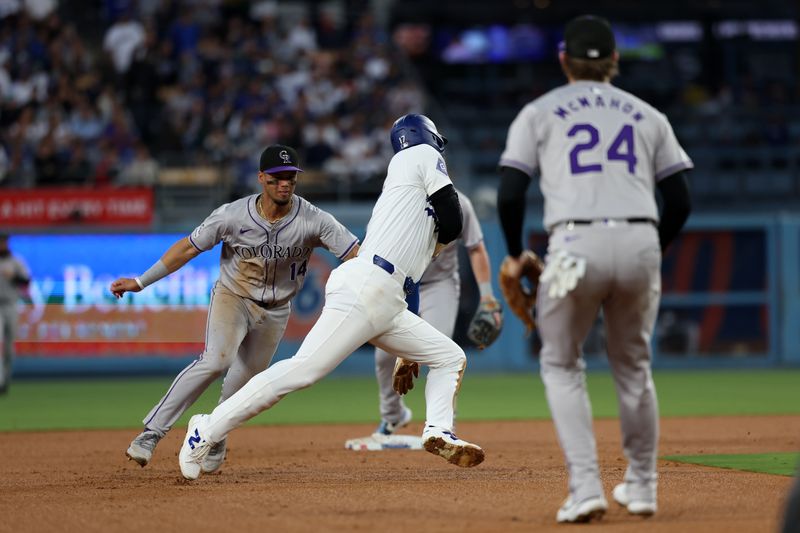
column 174, row 258
column 351, row 254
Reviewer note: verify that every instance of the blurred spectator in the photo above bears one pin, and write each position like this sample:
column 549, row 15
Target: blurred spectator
column 141, row 171
column 121, row 41
column 48, row 166
column 78, row 169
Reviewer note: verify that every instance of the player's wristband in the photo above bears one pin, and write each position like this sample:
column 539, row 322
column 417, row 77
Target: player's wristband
column 485, row 289
column 152, row 274
column 138, row 282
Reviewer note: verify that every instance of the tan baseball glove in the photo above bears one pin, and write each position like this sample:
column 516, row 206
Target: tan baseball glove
column 403, row 377
column 520, row 298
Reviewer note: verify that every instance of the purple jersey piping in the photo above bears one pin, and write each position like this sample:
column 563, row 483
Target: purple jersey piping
column 193, row 244
column 672, row 169
column 275, row 270
column 185, row 370
column 516, row 164
column 348, row 249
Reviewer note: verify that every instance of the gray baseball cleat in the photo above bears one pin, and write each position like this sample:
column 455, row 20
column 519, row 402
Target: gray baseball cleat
column 639, row 507
column 388, row 428
column 216, row 456
column 142, row 447
column 581, row 512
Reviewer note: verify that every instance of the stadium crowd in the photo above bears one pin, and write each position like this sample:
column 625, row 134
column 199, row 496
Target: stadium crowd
column 193, row 84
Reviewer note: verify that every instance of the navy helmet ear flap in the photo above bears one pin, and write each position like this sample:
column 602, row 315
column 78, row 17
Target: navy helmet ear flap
column 411, row 130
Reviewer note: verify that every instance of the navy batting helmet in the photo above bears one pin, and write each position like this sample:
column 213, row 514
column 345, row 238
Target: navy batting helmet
column 411, row 130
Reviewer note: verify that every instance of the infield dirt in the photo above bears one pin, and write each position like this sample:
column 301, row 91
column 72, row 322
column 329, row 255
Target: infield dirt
column 300, row 478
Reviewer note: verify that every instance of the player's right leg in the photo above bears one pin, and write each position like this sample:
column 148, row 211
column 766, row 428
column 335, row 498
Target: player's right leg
column 630, row 316
column 226, row 326
column 416, row 340
column 563, row 324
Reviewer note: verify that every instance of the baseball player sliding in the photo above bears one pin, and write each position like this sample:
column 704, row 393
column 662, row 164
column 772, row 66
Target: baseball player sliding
column 415, row 216
column 439, row 291
column 267, row 241
column 600, row 152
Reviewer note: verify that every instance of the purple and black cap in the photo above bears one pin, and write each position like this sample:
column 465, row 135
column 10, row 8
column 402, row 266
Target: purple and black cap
column 588, row 37
column 279, row 158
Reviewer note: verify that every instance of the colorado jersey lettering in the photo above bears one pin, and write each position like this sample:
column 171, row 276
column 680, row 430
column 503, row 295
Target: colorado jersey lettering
column 266, row 262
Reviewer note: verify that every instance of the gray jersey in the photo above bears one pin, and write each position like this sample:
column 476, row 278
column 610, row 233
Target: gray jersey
column 267, row 262
column 445, row 265
column 600, row 150
column 11, row 268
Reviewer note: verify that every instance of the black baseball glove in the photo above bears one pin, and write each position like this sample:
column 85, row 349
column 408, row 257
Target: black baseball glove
column 486, row 324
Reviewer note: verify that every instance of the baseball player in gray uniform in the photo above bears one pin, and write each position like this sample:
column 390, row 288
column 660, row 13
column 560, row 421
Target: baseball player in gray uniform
column 268, row 239
column 416, row 214
column 14, row 278
column 600, row 152
column 439, row 292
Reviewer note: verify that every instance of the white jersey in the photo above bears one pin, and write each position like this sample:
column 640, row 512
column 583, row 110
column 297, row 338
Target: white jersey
column 402, row 228
column 600, row 150
column 267, row 262
column 445, row 265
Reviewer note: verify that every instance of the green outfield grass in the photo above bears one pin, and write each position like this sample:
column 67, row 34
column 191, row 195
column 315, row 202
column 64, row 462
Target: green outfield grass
column 121, row 403
column 783, row 464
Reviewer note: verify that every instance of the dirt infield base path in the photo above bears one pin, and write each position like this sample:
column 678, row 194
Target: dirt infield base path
column 300, row 478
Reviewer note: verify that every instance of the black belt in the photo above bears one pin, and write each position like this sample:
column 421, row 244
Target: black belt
column 628, row 220
column 408, row 283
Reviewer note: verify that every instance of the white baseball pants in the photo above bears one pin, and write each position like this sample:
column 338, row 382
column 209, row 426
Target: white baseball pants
column 363, row 303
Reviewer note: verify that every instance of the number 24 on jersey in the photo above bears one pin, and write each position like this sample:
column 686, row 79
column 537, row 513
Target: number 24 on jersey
column 621, row 149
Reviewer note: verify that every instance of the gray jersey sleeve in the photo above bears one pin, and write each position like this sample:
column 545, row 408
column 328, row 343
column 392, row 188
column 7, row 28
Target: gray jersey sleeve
column 472, row 235
column 521, row 143
column 669, row 156
column 333, row 236
column 212, row 230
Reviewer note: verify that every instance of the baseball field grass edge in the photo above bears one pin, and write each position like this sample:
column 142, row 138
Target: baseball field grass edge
column 122, row 403
column 779, row 463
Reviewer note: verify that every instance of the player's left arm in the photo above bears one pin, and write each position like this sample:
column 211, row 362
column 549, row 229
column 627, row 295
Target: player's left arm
column 481, row 269
column 336, row 238
column 676, row 207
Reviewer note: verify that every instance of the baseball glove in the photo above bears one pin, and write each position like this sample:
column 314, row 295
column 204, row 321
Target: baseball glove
column 520, row 298
column 403, row 377
column 487, row 323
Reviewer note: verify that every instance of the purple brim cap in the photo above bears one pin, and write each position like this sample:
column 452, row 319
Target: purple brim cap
column 281, row 169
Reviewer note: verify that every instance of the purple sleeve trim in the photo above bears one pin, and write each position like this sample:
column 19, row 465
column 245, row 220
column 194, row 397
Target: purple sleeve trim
column 348, row 249
column 672, row 169
column 518, row 165
column 193, row 244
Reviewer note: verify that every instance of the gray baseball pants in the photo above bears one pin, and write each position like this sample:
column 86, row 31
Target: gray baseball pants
column 241, row 338
column 623, row 279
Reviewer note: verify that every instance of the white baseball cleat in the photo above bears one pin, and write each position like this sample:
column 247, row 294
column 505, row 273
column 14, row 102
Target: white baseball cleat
column 194, row 449
column 142, row 447
column 216, row 456
column 585, row 511
column 444, row 443
column 636, row 507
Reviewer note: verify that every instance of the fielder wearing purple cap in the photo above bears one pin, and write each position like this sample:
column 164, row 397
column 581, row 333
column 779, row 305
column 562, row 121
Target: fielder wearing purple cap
column 279, row 158
column 278, row 168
